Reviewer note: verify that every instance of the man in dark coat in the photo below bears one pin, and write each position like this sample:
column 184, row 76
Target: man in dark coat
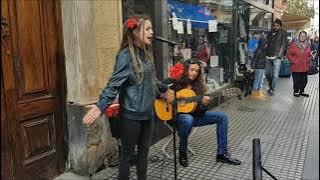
column 276, row 46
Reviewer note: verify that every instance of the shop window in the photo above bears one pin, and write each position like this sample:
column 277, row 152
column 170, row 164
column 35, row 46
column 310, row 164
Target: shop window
column 202, row 30
column 253, row 23
column 259, row 26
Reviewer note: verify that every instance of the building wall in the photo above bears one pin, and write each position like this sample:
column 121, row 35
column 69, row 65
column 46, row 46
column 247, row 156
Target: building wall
column 108, row 36
column 277, row 9
column 313, row 29
column 91, row 31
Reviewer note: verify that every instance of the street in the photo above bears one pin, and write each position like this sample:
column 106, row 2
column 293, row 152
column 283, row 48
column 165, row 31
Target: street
column 288, row 129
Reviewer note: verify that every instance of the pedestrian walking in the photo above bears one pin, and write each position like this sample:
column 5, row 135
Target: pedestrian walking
column 277, row 42
column 259, row 64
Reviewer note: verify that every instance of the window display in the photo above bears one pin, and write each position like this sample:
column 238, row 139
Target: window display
column 208, row 39
column 220, row 33
column 253, row 23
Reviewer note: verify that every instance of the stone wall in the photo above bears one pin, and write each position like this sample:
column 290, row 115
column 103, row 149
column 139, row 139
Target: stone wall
column 91, row 31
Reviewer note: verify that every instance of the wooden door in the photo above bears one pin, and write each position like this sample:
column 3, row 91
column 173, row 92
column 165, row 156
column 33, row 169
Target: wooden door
column 33, row 94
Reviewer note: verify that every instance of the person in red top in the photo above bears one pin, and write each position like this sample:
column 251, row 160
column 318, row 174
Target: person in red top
column 203, row 52
column 299, row 53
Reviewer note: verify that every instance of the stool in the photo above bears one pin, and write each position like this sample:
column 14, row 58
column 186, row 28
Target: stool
column 171, row 139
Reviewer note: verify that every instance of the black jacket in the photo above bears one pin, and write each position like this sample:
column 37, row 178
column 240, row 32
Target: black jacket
column 259, row 59
column 136, row 99
column 277, row 43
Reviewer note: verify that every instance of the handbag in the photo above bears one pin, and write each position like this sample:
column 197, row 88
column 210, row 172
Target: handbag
column 313, row 66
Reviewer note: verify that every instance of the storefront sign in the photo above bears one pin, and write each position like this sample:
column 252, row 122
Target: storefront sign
column 212, row 25
column 214, row 61
column 174, row 22
column 186, row 53
column 189, row 27
column 180, row 27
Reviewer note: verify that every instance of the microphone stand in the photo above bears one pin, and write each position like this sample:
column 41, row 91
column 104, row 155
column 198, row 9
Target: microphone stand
column 174, row 118
column 174, row 108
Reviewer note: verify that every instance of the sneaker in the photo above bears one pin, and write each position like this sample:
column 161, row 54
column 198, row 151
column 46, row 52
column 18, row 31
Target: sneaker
column 183, row 159
column 256, row 95
column 261, row 94
column 271, row 92
column 225, row 158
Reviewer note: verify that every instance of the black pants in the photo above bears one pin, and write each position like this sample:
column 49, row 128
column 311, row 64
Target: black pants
column 134, row 132
column 300, row 80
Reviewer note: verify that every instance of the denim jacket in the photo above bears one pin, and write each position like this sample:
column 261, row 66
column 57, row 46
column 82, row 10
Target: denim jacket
column 136, row 99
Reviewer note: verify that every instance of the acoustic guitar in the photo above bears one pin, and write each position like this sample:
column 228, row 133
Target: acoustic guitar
column 186, row 100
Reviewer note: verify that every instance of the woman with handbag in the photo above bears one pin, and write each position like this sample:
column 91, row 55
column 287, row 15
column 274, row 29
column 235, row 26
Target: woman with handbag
column 299, row 55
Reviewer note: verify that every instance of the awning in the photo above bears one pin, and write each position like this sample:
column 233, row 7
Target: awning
column 293, row 21
column 199, row 15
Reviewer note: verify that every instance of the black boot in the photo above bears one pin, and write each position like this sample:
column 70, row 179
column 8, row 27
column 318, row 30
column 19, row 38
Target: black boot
column 183, row 159
column 296, row 94
column 303, row 94
column 225, row 158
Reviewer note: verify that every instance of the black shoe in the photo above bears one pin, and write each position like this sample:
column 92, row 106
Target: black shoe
column 183, row 159
column 225, row 158
column 271, row 92
column 303, row 94
column 296, row 94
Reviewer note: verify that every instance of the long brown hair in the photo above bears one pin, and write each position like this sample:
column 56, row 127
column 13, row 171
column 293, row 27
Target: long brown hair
column 128, row 39
column 198, row 85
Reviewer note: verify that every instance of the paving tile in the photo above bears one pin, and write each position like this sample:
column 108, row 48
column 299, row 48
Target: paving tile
column 282, row 123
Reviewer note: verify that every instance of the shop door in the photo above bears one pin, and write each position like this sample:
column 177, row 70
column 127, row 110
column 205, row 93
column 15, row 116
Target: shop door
column 32, row 93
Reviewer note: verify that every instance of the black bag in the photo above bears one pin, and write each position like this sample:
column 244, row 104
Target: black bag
column 112, row 113
column 313, row 67
column 115, row 126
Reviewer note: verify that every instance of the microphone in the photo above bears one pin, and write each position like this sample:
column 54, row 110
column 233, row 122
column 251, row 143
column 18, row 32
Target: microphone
column 165, row 40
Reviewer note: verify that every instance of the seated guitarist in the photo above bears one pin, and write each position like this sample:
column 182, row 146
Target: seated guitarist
column 191, row 79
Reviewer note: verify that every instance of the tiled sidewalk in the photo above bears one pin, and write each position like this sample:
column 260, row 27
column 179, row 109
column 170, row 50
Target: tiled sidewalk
column 282, row 123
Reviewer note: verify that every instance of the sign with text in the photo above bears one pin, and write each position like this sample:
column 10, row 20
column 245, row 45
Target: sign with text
column 212, row 24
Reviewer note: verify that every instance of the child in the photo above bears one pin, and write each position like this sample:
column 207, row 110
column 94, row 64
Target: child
column 258, row 64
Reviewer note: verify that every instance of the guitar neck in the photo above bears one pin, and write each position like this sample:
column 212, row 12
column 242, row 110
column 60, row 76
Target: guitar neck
column 230, row 92
column 197, row 98
column 190, row 99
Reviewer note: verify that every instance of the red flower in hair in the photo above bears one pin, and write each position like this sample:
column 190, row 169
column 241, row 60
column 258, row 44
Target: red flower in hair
column 176, row 71
column 132, row 23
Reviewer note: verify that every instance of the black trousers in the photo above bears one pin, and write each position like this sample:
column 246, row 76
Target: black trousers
column 300, row 80
column 132, row 133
